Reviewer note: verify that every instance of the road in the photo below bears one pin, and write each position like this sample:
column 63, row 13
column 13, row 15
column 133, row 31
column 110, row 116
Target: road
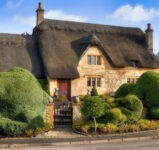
column 139, row 145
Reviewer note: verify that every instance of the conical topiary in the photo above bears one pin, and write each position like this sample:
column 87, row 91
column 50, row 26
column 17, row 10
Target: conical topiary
column 94, row 91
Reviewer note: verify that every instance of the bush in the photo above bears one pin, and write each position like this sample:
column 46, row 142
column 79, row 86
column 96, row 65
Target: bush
column 131, row 106
column 92, row 107
column 21, row 96
column 147, row 88
column 108, row 128
column 154, row 113
column 12, row 128
column 124, row 90
column 61, row 98
column 94, row 91
column 147, row 125
column 45, row 85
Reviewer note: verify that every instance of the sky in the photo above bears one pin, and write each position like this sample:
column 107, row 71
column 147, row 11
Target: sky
column 19, row 16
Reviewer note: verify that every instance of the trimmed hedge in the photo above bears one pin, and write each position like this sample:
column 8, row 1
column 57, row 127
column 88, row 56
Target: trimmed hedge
column 114, row 116
column 125, row 89
column 21, row 96
column 147, row 89
column 45, row 85
column 131, row 106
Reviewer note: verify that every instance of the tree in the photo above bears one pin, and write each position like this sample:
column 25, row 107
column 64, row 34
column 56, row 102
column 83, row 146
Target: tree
column 93, row 107
column 94, row 91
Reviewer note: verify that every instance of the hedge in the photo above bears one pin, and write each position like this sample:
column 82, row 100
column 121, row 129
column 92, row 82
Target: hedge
column 131, row 106
column 124, row 90
column 21, row 96
column 147, row 89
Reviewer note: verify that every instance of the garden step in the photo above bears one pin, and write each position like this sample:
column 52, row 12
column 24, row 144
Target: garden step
column 63, row 120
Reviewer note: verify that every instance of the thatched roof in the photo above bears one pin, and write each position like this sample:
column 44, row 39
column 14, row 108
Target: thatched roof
column 20, row 51
column 62, row 44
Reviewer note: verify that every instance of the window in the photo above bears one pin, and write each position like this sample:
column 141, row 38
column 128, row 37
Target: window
column 89, row 60
column 93, row 81
column 93, row 60
column 132, row 80
column 89, row 82
column 98, row 60
column 133, row 63
column 98, row 82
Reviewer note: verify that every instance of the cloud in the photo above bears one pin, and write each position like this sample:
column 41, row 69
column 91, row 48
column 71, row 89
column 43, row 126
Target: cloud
column 11, row 4
column 134, row 14
column 52, row 14
column 31, row 21
column 60, row 15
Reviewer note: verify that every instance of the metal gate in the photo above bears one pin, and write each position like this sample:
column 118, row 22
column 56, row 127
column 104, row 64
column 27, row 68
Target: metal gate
column 62, row 115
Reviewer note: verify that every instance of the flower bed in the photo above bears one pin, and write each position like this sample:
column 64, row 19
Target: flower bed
column 142, row 125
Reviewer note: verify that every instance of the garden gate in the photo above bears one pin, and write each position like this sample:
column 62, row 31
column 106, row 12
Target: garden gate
column 62, row 115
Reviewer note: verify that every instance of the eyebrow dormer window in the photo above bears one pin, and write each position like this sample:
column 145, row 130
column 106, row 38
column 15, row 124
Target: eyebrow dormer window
column 93, row 60
column 133, row 63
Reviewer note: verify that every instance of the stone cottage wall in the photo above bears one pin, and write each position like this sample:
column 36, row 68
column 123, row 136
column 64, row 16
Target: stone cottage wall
column 111, row 78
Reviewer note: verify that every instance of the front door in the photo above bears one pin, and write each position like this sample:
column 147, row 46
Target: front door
column 64, row 87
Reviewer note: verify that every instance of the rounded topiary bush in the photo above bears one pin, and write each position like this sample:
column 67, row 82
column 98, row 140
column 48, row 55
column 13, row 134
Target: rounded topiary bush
column 124, row 90
column 147, row 89
column 92, row 107
column 131, row 106
column 114, row 116
column 21, row 96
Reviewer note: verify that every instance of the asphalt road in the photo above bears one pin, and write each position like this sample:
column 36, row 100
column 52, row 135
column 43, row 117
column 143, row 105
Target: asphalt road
column 139, row 145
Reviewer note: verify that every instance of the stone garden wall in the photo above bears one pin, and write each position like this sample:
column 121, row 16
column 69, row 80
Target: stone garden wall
column 49, row 114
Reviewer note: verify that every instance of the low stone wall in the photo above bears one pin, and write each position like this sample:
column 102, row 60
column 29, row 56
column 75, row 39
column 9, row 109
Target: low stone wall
column 77, row 116
column 49, row 114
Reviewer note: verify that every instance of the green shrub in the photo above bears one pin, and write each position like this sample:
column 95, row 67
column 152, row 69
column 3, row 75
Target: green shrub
column 93, row 107
column 124, row 90
column 45, row 85
column 147, row 125
column 147, row 88
column 94, row 91
column 83, row 97
column 154, row 113
column 21, row 96
column 61, row 98
column 108, row 128
column 114, row 116
column 12, row 128
column 131, row 106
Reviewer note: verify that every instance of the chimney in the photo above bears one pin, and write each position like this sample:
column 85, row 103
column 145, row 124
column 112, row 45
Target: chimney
column 149, row 37
column 40, row 14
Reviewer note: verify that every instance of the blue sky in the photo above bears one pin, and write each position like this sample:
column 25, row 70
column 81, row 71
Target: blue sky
column 18, row 16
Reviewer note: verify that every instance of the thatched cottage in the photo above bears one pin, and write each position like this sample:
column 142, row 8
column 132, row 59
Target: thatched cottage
column 75, row 56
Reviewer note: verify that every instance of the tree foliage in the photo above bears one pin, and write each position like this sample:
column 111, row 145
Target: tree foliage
column 93, row 107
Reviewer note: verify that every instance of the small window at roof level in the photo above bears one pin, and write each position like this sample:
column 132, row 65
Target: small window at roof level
column 94, row 60
column 98, row 60
column 133, row 63
column 89, row 59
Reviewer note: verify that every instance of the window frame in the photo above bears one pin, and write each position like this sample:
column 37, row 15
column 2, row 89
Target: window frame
column 96, row 78
column 132, row 80
column 95, row 62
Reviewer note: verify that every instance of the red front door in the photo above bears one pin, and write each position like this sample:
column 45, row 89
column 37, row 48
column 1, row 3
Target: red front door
column 64, row 87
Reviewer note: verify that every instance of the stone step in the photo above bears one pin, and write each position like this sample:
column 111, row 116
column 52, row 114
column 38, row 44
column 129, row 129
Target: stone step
column 63, row 120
